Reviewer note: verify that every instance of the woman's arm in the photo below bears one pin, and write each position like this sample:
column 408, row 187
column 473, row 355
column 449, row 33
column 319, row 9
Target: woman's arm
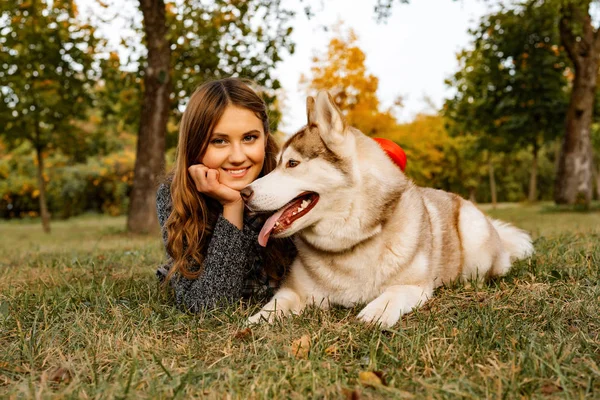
column 227, row 261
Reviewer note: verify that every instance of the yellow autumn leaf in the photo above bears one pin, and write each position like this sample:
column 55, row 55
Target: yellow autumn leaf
column 300, row 347
column 331, row 350
column 369, row 378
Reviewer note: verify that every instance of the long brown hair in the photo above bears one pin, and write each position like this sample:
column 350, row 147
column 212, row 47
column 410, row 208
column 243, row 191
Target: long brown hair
column 194, row 215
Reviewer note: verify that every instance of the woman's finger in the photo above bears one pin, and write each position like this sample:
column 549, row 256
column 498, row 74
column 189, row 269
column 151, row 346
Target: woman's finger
column 198, row 173
column 212, row 178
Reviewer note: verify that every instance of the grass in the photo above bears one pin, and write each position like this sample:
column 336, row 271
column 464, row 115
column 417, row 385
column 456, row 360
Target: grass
column 81, row 316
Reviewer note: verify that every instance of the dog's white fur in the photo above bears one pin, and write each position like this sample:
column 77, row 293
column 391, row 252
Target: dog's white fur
column 373, row 237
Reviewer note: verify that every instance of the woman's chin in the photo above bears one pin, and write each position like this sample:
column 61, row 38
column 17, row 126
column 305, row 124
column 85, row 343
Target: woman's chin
column 237, row 184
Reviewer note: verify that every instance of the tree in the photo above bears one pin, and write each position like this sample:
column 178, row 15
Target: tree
column 582, row 42
column 425, row 141
column 150, row 154
column 596, row 150
column 511, row 88
column 343, row 73
column 46, row 58
column 189, row 42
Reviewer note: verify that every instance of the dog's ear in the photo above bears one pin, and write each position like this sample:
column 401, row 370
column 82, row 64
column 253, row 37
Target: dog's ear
column 330, row 120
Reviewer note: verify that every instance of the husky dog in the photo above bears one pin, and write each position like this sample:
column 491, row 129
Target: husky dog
column 366, row 233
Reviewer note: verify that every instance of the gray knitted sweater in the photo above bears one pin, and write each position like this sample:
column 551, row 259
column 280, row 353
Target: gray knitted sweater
column 232, row 264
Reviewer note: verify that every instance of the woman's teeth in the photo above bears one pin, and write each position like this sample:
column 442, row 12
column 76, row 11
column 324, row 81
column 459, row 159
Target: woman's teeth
column 237, row 172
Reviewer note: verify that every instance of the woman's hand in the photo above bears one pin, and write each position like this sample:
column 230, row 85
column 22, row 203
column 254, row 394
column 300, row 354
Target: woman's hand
column 207, row 182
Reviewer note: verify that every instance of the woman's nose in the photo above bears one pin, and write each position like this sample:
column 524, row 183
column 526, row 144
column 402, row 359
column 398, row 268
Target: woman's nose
column 237, row 154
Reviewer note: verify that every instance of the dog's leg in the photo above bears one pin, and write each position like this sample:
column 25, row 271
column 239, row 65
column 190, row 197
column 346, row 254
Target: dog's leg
column 286, row 301
column 397, row 300
column 292, row 297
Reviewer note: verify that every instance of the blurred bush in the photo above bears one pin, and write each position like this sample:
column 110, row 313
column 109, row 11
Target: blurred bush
column 101, row 185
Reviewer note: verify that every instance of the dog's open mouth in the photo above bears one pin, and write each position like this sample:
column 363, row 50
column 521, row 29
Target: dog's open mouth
column 285, row 216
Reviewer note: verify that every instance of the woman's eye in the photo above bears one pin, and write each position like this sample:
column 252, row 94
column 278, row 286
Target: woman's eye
column 217, row 141
column 250, row 138
column 292, row 163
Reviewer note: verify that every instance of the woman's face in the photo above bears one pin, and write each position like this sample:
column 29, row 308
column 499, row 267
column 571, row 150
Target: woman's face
column 236, row 147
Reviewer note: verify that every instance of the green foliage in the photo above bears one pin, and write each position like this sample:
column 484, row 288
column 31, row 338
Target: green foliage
column 46, row 57
column 512, row 172
column 511, row 89
column 118, row 97
column 209, row 40
column 226, row 38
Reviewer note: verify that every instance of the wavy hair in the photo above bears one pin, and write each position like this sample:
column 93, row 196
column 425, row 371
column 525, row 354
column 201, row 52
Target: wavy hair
column 194, row 215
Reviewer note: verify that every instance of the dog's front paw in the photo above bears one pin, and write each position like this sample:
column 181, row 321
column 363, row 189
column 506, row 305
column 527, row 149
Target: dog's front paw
column 380, row 312
column 276, row 308
column 263, row 315
column 285, row 302
column 397, row 300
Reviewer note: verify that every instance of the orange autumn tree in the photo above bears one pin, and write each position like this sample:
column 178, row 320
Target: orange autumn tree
column 434, row 158
column 342, row 72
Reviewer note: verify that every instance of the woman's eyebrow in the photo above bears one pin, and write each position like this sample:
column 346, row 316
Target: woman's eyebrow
column 253, row 131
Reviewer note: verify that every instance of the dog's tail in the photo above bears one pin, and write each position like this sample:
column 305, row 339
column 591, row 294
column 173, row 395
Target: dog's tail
column 516, row 241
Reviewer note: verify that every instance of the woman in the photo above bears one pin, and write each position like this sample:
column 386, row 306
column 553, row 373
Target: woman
column 210, row 238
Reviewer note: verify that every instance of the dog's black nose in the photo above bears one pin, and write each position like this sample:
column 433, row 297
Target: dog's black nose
column 247, row 193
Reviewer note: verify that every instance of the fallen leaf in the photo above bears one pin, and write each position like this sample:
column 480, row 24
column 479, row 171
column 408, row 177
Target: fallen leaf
column 551, row 388
column 573, row 329
column 243, row 334
column 301, row 347
column 60, row 375
column 371, row 378
column 331, row 350
column 350, row 394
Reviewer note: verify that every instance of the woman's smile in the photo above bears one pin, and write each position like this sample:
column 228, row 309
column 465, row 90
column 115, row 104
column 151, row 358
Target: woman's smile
column 237, row 172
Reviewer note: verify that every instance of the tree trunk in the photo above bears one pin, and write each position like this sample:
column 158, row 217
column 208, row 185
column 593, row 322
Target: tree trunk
column 472, row 197
column 534, row 174
column 150, row 156
column 598, row 183
column 575, row 166
column 492, row 183
column 42, row 188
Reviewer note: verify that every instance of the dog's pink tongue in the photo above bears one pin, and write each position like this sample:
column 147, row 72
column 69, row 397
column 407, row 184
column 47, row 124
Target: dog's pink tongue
column 265, row 232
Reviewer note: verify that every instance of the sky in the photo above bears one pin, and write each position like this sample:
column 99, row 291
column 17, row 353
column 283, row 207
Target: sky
column 411, row 54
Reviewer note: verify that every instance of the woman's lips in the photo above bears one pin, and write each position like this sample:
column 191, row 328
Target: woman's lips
column 237, row 172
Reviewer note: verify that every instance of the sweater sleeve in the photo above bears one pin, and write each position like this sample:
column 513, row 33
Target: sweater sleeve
column 228, row 259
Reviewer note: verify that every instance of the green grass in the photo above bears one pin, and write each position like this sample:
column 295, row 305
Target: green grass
column 81, row 316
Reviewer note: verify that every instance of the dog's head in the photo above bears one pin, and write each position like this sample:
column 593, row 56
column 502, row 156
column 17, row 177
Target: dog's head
column 317, row 171
column 312, row 163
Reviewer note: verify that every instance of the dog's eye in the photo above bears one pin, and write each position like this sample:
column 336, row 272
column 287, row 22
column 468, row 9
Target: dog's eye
column 292, row 163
